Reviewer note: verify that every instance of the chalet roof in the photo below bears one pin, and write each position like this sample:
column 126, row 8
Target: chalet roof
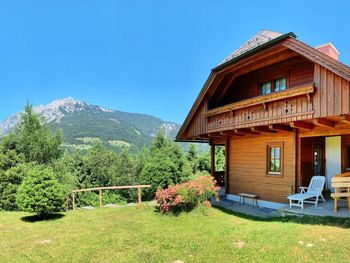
column 268, row 39
column 260, row 38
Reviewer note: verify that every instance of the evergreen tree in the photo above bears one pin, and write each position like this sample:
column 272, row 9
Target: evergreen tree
column 35, row 141
column 192, row 157
column 40, row 192
column 204, row 162
column 166, row 165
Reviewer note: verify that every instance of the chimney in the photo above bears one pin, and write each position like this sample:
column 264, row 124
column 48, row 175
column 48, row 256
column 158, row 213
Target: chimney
column 329, row 50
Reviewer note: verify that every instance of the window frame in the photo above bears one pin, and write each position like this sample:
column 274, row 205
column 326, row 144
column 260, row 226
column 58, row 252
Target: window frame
column 268, row 158
column 264, row 83
column 272, row 83
column 279, row 79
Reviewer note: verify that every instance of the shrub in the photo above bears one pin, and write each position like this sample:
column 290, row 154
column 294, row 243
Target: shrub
column 93, row 199
column 10, row 180
column 186, row 196
column 40, row 192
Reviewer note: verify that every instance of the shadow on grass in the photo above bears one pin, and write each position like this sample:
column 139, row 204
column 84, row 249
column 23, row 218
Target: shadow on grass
column 38, row 218
column 298, row 219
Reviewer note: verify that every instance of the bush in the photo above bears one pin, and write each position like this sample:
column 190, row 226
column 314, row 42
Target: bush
column 186, row 196
column 40, row 192
column 10, row 180
column 93, row 198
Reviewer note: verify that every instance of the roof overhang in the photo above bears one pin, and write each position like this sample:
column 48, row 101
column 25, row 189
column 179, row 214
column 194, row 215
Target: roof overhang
column 288, row 41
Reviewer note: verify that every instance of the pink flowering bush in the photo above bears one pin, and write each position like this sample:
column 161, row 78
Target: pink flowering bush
column 186, row 196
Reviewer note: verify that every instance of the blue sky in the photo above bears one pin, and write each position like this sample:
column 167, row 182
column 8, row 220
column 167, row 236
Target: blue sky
column 141, row 56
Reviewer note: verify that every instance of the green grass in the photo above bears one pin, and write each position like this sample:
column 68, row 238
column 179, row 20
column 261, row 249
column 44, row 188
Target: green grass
column 143, row 235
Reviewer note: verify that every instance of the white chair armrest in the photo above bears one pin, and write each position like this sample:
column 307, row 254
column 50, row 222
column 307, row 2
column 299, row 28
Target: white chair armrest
column 303, row 189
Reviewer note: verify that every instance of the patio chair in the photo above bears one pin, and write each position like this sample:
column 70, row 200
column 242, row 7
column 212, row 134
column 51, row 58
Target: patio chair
column 309, row 194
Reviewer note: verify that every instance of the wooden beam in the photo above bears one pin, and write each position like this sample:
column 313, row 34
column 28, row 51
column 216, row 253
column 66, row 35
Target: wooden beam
column 262, row 129
column 230, row 133
column 324, row 123
column 301, row 125
column 223, row 91
column 345, row 119
column 245, row 131
column 279, row 127
column 215, row 135
column 212, row 160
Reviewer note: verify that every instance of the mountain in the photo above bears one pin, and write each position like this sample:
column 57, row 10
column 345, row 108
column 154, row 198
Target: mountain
column 83, row 124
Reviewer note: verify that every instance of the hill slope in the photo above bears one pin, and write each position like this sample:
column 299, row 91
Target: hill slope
column 83, row 124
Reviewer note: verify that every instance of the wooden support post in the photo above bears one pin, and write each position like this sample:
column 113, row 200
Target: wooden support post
column 139, row 197
column 212, row 160
column 73, row 201
column 100, row 198
column 335, row 206
column 67, row 202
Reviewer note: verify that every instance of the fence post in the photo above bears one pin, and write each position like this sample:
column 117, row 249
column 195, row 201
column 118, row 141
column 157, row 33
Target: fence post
column 100, row 198
column 73, row 201
column 139, row 197
column 67, row 202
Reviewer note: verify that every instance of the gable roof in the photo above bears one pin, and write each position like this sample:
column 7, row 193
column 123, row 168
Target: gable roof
column 289, row 41
column 260, row 38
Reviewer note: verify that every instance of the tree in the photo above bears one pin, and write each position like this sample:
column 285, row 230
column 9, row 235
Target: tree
column 10, row 180
column 12, row 171
column 67, row 171
column 126, row 173
column 40, row 192
column 166, row 165
column 192, row 157
column 220, row 158
column 204, row 162
column 35, row 141
column 99, row 166
column 159, row 171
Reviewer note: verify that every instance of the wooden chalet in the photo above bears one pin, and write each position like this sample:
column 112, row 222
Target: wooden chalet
column 281, row 109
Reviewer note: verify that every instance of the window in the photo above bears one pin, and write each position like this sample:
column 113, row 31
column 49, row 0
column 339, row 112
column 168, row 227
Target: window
column 280, row 84
column 275, row 159
column 273, row 86
column 265, row 88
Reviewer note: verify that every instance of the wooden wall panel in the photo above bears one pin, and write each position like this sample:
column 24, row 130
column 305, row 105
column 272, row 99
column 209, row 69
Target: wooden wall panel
column 198, row 125
column 247, row 166
column 332, row 95
column 298, row 71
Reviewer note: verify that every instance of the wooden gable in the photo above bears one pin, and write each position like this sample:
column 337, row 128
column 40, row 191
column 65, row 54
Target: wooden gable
column 308, row 66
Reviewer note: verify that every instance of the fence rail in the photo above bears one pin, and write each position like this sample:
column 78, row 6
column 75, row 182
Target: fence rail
column 100, row 189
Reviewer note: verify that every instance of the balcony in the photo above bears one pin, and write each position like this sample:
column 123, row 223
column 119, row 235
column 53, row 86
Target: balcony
column 281, row 107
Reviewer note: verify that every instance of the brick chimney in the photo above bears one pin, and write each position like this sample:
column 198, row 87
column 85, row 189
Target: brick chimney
column 329, row 50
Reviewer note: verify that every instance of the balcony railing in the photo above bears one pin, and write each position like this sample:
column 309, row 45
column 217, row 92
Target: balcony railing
column 284, row 106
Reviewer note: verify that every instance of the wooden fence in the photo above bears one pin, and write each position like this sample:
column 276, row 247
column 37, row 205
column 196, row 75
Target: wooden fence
column 100, row 189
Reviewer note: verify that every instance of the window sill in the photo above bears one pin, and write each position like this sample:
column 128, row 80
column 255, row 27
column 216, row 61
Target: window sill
column 273, row 174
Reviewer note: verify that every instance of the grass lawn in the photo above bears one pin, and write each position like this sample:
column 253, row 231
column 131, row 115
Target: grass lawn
column 143, row 235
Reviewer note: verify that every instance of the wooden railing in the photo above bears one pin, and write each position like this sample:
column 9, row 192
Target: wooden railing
column 284, row 106
column 100, row 189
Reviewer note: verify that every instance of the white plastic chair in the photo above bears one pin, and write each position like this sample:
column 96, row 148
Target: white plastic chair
column 309, row 194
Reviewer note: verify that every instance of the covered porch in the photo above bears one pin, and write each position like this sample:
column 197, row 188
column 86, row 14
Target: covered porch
column 322, row 209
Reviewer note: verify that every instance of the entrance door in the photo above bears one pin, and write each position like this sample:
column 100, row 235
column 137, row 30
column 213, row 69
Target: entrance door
column 312, row 158
column 318, row 159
